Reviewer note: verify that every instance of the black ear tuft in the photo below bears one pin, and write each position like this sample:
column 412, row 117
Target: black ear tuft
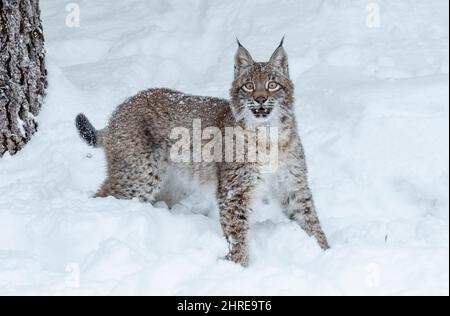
column 282, row 41
column 280, row 60
column 238, row 42
column 242, row 60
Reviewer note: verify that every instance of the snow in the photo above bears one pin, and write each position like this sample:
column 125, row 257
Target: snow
column 372, row 106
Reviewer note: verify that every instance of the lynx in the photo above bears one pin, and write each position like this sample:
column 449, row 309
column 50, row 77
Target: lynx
column 137, row 144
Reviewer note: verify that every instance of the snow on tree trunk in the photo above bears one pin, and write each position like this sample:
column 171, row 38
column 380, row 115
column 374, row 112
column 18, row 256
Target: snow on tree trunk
column 23, row 77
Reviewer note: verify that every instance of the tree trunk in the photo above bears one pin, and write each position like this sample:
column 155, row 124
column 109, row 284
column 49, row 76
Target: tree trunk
column 23, row 77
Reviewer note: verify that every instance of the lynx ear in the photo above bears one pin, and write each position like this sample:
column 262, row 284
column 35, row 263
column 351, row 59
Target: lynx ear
column 280, row 60
column 242, row 60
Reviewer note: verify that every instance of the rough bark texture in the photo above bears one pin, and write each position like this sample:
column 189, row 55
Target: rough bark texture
column 23, row 77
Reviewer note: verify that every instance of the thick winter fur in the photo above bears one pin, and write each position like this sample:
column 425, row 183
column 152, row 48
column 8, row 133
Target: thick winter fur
column 137, row 146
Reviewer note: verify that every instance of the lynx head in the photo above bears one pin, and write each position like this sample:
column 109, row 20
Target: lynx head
column 261, row 92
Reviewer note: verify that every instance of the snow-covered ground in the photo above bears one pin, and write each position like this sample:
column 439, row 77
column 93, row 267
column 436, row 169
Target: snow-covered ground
column 373, row 110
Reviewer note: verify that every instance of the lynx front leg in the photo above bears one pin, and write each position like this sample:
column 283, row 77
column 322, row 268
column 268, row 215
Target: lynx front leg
column 234, row 195
column 297, row 198
column 300, row 207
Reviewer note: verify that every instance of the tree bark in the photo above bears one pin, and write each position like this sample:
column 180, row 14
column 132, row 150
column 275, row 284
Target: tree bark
column 23, row 77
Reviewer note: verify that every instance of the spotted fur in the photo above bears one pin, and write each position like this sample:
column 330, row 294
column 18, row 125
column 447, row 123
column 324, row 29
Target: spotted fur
column 137, row 146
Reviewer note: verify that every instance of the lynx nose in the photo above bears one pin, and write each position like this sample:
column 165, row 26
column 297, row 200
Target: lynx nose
column 261, row 100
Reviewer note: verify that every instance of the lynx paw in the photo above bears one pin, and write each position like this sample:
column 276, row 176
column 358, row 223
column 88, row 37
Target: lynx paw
column 323, row 243
column 238, row 256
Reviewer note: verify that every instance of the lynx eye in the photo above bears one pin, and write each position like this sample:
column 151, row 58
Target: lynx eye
column 249, row 87
column 272, row 86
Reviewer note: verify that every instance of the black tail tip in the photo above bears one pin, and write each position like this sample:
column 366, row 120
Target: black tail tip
column 86, row 130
